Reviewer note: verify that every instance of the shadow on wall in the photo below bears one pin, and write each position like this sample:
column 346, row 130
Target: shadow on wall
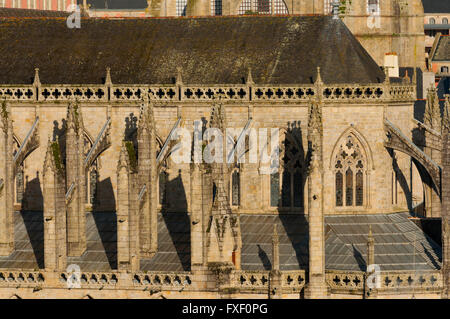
column 177, row 221
column 34, row 224
column 104, row 199
column 106, row 223
column 33, row 199
column 402, row 180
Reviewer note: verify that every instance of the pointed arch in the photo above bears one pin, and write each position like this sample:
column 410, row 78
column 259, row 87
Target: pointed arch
column 367, row 152
column 350, row 162
column 287, row 184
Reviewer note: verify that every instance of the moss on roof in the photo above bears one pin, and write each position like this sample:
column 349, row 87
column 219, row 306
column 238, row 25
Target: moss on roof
column 278, row 49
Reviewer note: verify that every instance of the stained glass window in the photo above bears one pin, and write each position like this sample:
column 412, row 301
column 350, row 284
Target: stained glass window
column 339, row 185
column 349, row 187
column 235, row 188
column 359, row 188
column 350, row 164
column 93, row 177
column 162, row 187
column 19, row 185
column 274, row 189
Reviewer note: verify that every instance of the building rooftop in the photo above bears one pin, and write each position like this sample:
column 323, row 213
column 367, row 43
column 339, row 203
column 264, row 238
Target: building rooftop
column 441, row 49
column 399, row 243
column 213, row 50
column 436, row 6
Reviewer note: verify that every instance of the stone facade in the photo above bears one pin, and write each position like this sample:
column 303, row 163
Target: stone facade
column 341, row 145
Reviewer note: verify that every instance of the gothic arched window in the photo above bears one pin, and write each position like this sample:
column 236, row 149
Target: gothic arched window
column 287, row 184
column 263, row 7
column 432, row 21
column 181, row 7
column 19, row 187
column 162, row 182
column 235, row 187
column 216, row 7
column 92, row 174
column 444, row 21
column 349, row 169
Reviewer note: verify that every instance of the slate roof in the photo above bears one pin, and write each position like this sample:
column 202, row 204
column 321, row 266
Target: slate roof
column 442, row 50
column 210, row 50
column 436, row 6
column 399, row 243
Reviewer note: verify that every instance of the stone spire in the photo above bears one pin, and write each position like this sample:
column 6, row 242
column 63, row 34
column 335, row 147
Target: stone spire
column 249, row 80
column 316, row 287
column 432, row 116
column 223, row 227
column 55, row 220
column 108, row 81
column 6, row 181
column 75, row 175
column 127, row 212
column 36, row 81
column 147, row 172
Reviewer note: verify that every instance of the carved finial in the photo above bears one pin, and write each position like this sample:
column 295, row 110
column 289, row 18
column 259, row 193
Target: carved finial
column 36, row 81
column 335, row 9
column 179, row 79
column 406, row 78
column 108, row 80
column 249, row 77
column 432, row 116
column 318, row 77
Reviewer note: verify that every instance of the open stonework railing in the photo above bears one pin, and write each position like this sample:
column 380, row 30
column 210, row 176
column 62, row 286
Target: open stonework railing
column 89, row 279
column 205, row 93
column 163, row 280
column 17, row 278
column 251, row 279
column 18, row 93
column 345, row 280
column 402, row 92
column 190, row 93
column 283, row 93
column 293, row 279
column 408, row 281
column 92, row 93
column 426, row 280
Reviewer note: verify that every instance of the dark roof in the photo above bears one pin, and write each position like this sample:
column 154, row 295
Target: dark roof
column 436, row 6
column 214, row 50
column 442, row 51
column 31, row 13
column 399, row 243
column 116, row 4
